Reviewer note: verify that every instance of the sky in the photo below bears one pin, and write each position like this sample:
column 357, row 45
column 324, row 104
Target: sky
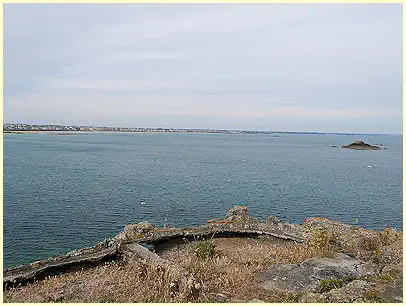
column 280, row 67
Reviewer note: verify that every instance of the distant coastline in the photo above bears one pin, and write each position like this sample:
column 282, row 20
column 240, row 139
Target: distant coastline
column 21, row 128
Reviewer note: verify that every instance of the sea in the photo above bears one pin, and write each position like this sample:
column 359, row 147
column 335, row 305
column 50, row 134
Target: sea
column 65, row 192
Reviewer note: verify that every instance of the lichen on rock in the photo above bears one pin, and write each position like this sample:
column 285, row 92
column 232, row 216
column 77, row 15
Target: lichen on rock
column 352, row 291
column 237, row 213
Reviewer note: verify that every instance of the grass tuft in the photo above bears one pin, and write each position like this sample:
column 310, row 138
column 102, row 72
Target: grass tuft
column 329, row 284
column 320, row 241
column 204, row 249
column 389, row 236
column 349, row 279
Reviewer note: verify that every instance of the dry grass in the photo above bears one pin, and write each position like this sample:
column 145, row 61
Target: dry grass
column 233, row 270
column 389, row 236
column 109, row 283
column 229, row 275
column 359, row 242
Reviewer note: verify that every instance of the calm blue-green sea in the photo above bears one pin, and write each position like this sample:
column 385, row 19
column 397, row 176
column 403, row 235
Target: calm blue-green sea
column 68, row 192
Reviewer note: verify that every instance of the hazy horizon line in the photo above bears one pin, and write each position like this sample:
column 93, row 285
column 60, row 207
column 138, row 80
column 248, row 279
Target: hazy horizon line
column 220, row 129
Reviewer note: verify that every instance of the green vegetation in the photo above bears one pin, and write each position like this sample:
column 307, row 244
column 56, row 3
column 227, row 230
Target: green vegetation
column 373, row 296
column 330, row 284
column 385, row 277
column 320, row 241
column 349, row 279
column 289, row 297
column 204, row 249
column 374, row 242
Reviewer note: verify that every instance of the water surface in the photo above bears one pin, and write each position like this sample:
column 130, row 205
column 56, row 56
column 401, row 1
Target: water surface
column 68, row 192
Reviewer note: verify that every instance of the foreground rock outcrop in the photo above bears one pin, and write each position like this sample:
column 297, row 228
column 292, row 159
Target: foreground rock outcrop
column 237, row 222
column 320, row 260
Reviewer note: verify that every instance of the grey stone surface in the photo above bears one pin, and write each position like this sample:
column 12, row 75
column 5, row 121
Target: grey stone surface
column 311, row 297
column 394, row 292
column 134, row 251
column 306, row 276
column 255, row 301
column 368, row 268
column 352, row 292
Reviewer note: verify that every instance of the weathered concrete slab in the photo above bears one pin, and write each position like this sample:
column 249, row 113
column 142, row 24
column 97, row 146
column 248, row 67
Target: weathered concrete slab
column 152, row 236
column 26, row 273
column 136, row 251
column 183, row 282
column 237, row 221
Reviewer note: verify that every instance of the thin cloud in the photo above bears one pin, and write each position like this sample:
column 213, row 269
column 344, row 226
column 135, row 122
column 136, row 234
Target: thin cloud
column 303, row 63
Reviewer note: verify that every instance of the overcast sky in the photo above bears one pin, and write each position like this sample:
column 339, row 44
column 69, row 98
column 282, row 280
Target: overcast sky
column 292, row 67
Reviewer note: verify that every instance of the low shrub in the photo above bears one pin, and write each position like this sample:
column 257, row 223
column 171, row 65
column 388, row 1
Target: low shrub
column 289, row 297
column 370, row 242
column 329, row 284
column 389, row 236
column 204, row 249
column 373, row 296
column 320, row 241
column 349, row 279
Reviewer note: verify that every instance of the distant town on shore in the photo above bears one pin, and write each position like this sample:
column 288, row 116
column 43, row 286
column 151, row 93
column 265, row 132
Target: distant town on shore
column 22, row 127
